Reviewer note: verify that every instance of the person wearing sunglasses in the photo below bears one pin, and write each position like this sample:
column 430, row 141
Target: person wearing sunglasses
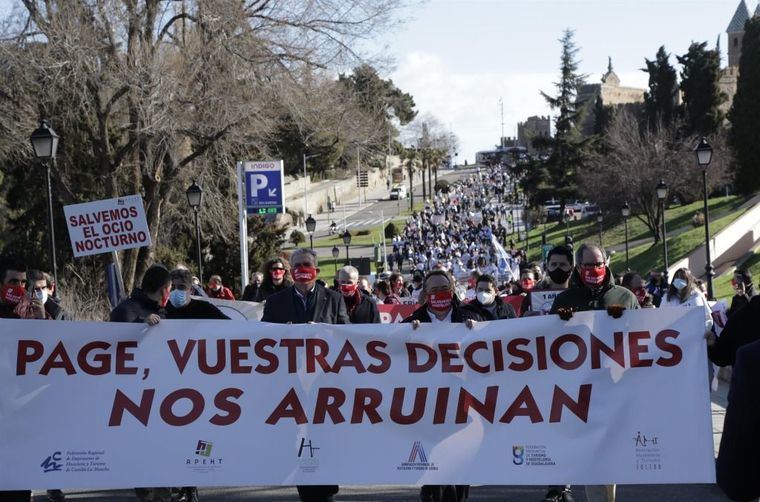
column 276, row 278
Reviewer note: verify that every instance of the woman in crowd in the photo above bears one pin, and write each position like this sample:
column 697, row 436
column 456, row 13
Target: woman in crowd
column 633, row 282
column 683, row 292
column 276, row 278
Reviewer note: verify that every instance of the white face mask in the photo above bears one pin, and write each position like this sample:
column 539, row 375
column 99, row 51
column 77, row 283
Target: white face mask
column 679, row 284
column 41, row 295
column 485, row 297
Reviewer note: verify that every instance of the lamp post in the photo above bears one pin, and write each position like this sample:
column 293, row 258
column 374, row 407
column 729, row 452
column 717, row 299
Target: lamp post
column 335, row 253
column 626, row 213
column 311, row 225
column 704, row 153
column 305, row 199
column 347, row 242
column 45, row 144
column 195, row 199
column 600, row 220
column 662, row 194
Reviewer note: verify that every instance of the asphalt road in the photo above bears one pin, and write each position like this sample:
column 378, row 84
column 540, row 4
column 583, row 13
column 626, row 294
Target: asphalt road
column 392, row 493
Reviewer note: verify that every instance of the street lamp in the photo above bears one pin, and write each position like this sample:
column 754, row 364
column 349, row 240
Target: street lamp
column 335, row 253
column 45, row 144
column 311, row 225
column 662, row 194
column 626, row 210
column 600, row 220
column 347, row 242
column 195, row 199
column 704, row 153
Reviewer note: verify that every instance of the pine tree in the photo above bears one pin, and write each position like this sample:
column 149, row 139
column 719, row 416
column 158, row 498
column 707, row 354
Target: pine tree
column 745, row 133
column 569, row 152
column 660, row 100
column 701, row 93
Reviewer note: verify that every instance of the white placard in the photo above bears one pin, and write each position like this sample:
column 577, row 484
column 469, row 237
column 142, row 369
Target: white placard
column 542, row 301
column 535, row 401
column 107, row 225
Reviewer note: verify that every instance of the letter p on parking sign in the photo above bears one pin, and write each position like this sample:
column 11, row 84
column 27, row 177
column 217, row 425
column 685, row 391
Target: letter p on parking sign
column 264, row 187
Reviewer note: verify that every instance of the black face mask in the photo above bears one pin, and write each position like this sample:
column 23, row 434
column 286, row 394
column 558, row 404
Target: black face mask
column 559, row 276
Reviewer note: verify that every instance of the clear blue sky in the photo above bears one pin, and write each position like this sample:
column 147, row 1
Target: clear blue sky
column 458, row 57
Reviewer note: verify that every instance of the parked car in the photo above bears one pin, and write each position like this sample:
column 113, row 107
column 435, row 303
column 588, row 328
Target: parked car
column 398, row 192
column 590, row 210
column 553, row 212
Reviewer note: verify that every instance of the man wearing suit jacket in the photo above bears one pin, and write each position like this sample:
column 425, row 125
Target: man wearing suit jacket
column 441, row 306
column 305, row 302
column 361, row 309
column 738, row 464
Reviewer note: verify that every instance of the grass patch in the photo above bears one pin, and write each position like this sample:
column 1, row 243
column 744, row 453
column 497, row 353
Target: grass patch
column 722, row 284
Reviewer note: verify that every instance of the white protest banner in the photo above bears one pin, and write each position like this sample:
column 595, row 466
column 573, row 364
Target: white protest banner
column 537, row 401
column 107, row 225
column 542, row 301
column 236, row 309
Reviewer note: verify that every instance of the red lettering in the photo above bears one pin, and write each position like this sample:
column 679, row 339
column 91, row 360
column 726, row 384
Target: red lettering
column 313, row 355
column 541, row 352
column 418, row 409
column 122, row 357
column 348, row 357
column 414, row 365
column 485, row 409
column 24, row 356
column 556, row 347
column 366, row 402
column 167, row 407
column 524, row 355
column 617, row 354
column 449, row 352
column 224, row 401
column 181, row 359
column 470, row 360
column 237, row 355
column 579, row 407
column 292, row 345
column 441, row 403
column 498, row 356
column 289, row 407
column 261, row 352
column 373, row 350
column 329, row 401
column 636, row 349
column 523, row 406
column 674, row 350
column 104, row 360
column 58, row 359
column 122, row 403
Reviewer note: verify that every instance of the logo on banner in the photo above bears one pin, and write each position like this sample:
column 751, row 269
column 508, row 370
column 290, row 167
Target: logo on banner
column 204, row 448
column 531, row 455
column 306, row 453
column 518, row 455
column 417, row 460
column 647, row 451
column 51, row 463
column 203, row 461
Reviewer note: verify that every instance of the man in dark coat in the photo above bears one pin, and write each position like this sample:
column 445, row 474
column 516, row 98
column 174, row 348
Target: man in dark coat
column 361, row 308
column 487, row 304
column 592, row 286
column 304, row 302
column 441, row 306
column 181, row 306
column 741, row 329
column 738, row 464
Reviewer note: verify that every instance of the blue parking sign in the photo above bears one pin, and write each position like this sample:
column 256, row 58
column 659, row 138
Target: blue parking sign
column 264, row 187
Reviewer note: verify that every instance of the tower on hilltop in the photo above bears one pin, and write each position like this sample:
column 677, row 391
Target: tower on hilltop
column 735, row 32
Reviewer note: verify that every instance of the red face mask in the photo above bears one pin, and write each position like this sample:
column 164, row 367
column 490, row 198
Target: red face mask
column 640, row 293
column 593, row 276
column 304, row 275
column 277, row 273
column 164, row 299
column 527, row 284
column 348, row 289
column 12, row 294
column 439, row 301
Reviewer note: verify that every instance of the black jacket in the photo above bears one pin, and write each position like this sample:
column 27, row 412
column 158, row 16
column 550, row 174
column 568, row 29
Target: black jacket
column 738, row 463
column 503, row 310
column 250, row 292
column 580, row 297
column 741, row 329
column 366, row 312
column 267, row 290
column 136, row 308
column 55, row 311
column 738, row 302
column 196, row 309
column 325, row 306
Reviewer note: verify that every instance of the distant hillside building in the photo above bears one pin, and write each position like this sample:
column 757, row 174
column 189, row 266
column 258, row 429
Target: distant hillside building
column 610, row 92
column 735, row 31
column 533, row 127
